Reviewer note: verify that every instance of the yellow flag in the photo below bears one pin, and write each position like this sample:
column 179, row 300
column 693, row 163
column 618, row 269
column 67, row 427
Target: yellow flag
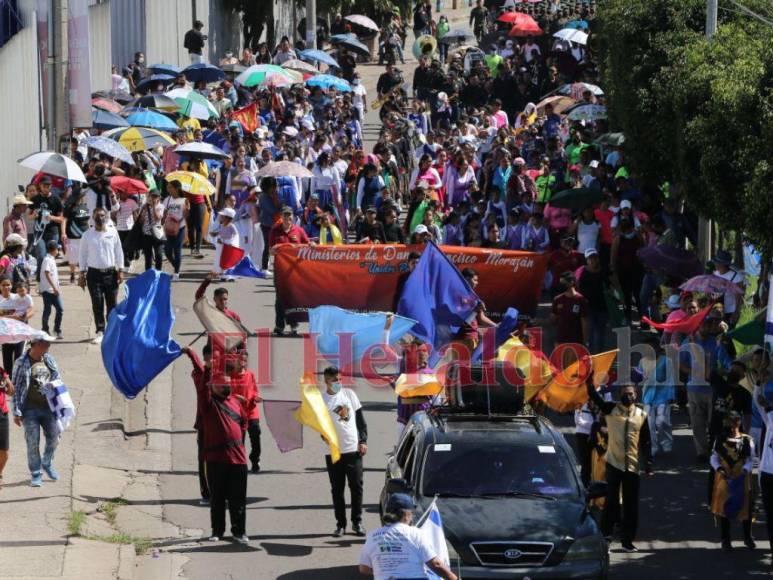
column 313, row 413
column 533, row 366
column 566, row 392
column 418, row 385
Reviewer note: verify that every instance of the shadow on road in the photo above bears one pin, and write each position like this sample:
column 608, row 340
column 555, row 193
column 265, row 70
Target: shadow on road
column 338, row 573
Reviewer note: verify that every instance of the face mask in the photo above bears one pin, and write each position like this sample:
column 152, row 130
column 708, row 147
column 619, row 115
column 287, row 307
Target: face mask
column 356, row 82
column 99, row 221
column 335, row 387
column 627, row 399
column 226, row 391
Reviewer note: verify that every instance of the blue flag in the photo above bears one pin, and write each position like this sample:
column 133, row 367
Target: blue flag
column 502, row 334
column 438, row 297
column 366, row 330
column 137, row 344
column 245, row 268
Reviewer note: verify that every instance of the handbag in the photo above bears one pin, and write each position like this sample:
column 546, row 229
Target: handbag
column 156, row 229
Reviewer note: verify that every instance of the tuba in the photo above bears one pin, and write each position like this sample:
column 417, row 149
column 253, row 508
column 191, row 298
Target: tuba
column 425, row 45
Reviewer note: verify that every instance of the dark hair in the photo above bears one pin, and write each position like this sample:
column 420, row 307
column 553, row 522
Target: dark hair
column 176, row 184
column 469, row 273
column 331, row 371
column 268, row 183
column 393, row 518
column 414, row 256
column 220, row 291
column 198, row 24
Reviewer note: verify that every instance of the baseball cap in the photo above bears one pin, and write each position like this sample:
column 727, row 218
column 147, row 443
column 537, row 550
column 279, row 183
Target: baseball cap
column 399, row 501
column 591, row 252
column 228, row 212
column 625, row 204
column 15, row 240
column 42, row 337
column 673, row 302
column 371, row 209
column 286, row 210
column 51, row 244
column 421, row 229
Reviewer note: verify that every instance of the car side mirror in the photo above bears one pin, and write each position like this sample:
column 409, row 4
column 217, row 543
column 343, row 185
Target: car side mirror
column 398, row 485
column 596, row 489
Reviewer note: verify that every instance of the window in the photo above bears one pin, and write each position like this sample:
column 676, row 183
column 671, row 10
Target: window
column 406, row 445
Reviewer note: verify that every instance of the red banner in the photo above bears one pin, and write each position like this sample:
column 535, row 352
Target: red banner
column 248, row 117
column 366, row 277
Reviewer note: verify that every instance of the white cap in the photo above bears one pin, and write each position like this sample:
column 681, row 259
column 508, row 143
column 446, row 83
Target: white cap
column 625, row 204
column 593, row 163
column 591, row 252
column 228, row 212
column 15, row 240
column 421, row 229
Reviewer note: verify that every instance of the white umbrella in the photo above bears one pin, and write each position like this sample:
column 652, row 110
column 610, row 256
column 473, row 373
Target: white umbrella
column 53, row 163
column 284, row 169
column 363, row 21
column 588, row 113
column 300, row 66
column 201, row 149
column 572, row 35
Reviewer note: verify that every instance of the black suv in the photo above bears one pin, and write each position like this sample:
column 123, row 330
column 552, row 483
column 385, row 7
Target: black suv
column 508, row 492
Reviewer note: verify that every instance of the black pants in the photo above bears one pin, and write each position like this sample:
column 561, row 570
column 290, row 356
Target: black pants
column 629, row 481
column 227, row 482
column 346, row 469
column 766, row 486
column 253, row 429
column 152, row 249
column 724, row 527
column 128, row 253
column 203, row 485
column 196, row 225
column 279, row 311
column 584, row 450
column 11, row 351
column 266, row 233
column 103, row 289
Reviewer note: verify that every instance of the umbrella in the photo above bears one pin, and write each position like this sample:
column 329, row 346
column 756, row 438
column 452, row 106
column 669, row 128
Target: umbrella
column 109, row 147
column 156, row 101
column 460, row 49
column 257, row 73
column 313, row 55
column 354, row 45
column 198, row 149
column 16, row 331
column 105, row 120
column 572, row 35
column 193, row 183
column 577, row 24
column 123, row 184
column 165, row 69
column 457, row 35
column 106, row 104
column 559, row 102
column 192, row 104
column 526, row 29
column 53, row 163
column 515, row 18
column 711, row 284
column 611, row 139
column 328, row 82
column 341, row 37
column 116, row 95
column 152, row 119
column 672, row 261
column 203, row 72
column 140, row 138
column 363, row 21
column 153, row 81
column 275, row 80
column 233, row 68
column 576, row 198
column 299, row 66
column 579, row 88
column 587, row 113
column 283, row 169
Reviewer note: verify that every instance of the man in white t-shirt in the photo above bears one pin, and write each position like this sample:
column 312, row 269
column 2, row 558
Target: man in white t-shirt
column 359, row 97
column 398, row 550
column 346, row 411
column 723, row 263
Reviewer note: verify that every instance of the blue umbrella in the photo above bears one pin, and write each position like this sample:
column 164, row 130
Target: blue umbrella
column 152, row 119
column 329, row 81
column 577, row 24
column 109, row 147
column 165, row 69
column 313, row 55
column 341, row 37
column 353, row 44
column 153, row 80
column 105, row 120
column 203, row 72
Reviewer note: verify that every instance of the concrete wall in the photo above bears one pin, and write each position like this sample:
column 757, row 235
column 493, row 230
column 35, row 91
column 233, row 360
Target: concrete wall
column 100, row 46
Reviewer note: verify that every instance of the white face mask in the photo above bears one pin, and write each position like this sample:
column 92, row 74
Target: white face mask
column 356, row 82
column 335, row 387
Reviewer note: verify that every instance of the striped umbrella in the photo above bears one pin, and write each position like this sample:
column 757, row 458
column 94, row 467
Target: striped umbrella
column 257, row 73
column 193, row 183
column 53, row 163
column 192, row 104
column 109, row 147
column 140, row 138
column 152, row 119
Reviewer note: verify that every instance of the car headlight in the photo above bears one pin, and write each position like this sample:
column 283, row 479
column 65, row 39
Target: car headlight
column 587, row 548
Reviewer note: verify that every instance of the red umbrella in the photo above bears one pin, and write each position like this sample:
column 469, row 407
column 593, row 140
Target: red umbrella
column 515, row 18
column 107, row 104
column 526, row 29
column 127, row 185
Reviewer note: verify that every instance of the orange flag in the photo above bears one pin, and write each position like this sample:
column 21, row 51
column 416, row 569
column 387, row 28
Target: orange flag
column 418, row 385
column 248, row 117
column 567, row 392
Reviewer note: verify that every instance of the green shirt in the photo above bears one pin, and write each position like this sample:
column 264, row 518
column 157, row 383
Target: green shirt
column 573, row 152
column 543, row 184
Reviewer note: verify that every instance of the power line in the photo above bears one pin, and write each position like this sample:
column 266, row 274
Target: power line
column 751, row 13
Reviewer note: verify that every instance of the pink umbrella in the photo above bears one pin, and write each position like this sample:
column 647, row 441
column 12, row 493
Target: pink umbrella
column 711, row 284
column 12, row 330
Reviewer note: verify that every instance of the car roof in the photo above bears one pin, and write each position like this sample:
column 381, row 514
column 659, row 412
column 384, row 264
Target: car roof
column 529, row 429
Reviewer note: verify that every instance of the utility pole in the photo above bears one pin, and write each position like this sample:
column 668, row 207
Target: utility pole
column 311, row 24
column 53, row 16
column 704, row 225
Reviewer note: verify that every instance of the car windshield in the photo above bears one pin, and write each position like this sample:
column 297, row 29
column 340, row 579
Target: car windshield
column 498, row 469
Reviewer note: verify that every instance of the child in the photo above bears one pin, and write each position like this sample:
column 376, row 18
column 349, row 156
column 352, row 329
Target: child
column 227, row 234
column 50, row 289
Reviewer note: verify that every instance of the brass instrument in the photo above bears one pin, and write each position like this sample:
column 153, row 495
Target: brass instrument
column 425, row 45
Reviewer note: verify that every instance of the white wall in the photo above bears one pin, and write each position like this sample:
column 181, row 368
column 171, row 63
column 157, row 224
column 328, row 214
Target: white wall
column 19, row 115
column 100, row 46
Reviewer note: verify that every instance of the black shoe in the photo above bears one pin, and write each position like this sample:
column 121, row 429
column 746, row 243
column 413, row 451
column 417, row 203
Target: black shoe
column 749, row 543
column 294, row 331
column 359, row 530
column 340, row 530
column 255, row 467
column 279, row 331
column 727, row 545
column 630, row 548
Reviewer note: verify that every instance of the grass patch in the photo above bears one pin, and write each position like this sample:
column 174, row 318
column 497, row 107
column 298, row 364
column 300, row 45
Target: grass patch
column 141, row 545
column 75, row 522
column 110, row 509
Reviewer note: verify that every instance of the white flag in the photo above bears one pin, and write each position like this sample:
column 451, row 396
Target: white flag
column 432, row 526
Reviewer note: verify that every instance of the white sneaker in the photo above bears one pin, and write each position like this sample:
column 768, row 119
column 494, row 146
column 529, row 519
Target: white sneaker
column 243, row 539
column 175, row 276
column 214, row 539
column 268, row 273
column 97, row 339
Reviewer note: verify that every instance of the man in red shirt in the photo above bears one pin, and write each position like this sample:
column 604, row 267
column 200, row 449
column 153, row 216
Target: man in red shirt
column 244, row 387
column 570, row 312
column 201, row 374
column 223, row 419
column 564, row 259
column 285, row 232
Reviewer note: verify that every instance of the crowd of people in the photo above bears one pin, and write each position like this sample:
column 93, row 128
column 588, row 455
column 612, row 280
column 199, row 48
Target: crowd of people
column 482, row 150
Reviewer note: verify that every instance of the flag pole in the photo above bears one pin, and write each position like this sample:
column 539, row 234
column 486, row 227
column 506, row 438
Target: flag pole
column 195, row 340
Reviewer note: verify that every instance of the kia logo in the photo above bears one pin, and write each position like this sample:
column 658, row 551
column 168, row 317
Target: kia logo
column 512, row 554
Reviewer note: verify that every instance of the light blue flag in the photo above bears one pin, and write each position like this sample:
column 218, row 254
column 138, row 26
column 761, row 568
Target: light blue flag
column 367, row 329
column 137, row 344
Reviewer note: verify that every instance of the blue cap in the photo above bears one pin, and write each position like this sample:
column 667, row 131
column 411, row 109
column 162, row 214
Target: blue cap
column 399, row 501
